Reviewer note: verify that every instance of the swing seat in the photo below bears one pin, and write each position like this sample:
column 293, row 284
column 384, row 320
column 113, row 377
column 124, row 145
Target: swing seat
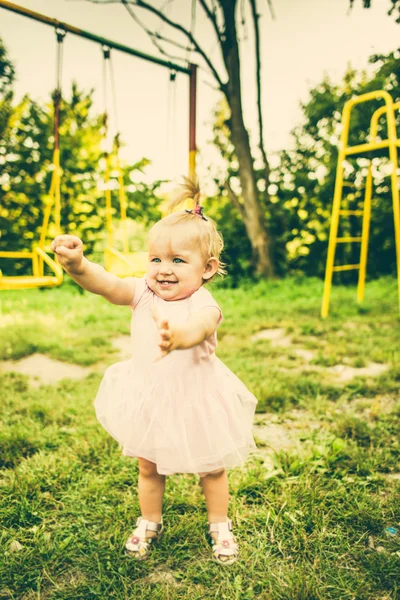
column 38, row 279
column 130, row 264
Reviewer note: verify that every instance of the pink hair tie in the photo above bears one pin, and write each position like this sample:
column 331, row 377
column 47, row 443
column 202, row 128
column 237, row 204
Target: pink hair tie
column 198, row 210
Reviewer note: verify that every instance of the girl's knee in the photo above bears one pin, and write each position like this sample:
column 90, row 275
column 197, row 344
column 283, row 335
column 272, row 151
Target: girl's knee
column 212, row 474
column 147, row 468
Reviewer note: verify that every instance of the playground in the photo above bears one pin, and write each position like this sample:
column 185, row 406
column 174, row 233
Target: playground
column 317, row 499
column 316, row 506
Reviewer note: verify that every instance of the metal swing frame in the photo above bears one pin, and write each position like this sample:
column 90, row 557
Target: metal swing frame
column 190, row 70
column 39, row 253
column 121, row 263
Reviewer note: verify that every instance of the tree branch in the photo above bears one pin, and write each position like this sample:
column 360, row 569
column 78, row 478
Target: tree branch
column 165, row 19
column 234, row 199
column 271, row 9
column 156, row 36
column 199, row 50
column 255, row 17
column 210, row 14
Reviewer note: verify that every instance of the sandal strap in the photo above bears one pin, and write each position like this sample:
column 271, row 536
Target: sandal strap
column 144, row 524
column 223, row 528
column 225, row 545
column 138, row 541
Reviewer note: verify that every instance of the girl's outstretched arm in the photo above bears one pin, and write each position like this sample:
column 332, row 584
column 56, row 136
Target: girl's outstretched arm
column 197, row 328
column 89, row 275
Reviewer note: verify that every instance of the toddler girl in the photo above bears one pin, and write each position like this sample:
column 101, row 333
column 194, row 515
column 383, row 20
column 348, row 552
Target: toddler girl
column 174, row 405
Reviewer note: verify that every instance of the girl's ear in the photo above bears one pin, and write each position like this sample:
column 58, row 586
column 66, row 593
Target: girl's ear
column 211, row 267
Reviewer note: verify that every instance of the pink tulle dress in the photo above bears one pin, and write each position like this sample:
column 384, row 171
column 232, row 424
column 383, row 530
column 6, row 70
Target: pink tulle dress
column 187, row 412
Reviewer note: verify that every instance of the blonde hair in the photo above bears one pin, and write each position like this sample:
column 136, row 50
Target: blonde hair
column 209, row 239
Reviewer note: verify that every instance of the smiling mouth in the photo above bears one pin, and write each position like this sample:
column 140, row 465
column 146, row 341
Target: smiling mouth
column 165, row 282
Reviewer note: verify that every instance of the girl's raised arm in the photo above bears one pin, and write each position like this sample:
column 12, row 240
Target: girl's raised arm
column 89, row 275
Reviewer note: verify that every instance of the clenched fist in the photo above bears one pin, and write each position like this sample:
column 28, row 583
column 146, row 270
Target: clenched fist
column 69, row 250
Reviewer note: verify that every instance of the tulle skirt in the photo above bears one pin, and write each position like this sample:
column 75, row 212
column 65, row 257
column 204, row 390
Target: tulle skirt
column 195, row 422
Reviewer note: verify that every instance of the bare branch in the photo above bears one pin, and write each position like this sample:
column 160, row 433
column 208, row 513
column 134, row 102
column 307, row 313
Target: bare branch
column 154, row 37
column 192, row 28
column 197, row 47
column 234, row 198
column 271, row 9
column 211, row 15
column 255, row 17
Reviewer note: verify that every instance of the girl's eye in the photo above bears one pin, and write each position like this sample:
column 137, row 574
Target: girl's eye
column 178, row 260
column 155, row 260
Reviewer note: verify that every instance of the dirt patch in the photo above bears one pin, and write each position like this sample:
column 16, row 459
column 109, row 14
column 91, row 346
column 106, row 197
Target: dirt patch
column 292, row 433
column 303, row 353
column 162, row 575
column 392, row 476
column 346, row 373
column 279, row 338
column 44, row 370
column 340, row 373
column 276, row 336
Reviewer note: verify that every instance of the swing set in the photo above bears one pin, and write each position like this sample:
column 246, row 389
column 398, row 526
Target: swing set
column 39, row 253
column 122, row 263
column 125, row 263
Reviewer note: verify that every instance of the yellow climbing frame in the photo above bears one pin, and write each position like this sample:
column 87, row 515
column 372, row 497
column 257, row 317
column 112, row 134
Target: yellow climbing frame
column 38, row 254
column 392, row 143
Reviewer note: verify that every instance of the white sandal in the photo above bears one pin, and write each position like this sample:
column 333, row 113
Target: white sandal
column 225, row 550
column 138, row 544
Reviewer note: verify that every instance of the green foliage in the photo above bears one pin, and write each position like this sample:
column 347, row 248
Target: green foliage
column 298, row 213
column 26, row 154
column 229, row 214
column 237, row 248
column 306, row 175
column 7, row 75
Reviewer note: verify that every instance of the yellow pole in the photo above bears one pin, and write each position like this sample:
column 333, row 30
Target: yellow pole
column 47, row 210
column 395, row 190
column 108, row 201
column 365, row 234
column 335, row 210
column 192, row 164
column 192, row 120
column 54, row 195
column 36, row 269
column 367, row 204
column 57, row 184
column 122, row 202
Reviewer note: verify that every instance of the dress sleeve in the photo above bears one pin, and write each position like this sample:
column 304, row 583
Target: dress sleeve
column 202, row 299
column 140, row 289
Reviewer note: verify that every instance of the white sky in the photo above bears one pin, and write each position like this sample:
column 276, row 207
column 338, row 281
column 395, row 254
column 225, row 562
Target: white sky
column 308, row 39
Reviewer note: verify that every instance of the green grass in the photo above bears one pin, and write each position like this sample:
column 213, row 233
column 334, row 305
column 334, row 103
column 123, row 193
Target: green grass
column 310, row 526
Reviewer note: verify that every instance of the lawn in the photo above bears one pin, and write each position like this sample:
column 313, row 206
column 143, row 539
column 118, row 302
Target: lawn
column 316, row 510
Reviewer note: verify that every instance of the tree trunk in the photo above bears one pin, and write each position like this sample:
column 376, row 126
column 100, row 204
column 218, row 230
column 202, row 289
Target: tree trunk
column 252, row 214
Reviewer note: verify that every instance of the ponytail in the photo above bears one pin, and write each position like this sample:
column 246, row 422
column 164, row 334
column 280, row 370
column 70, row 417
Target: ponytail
column 188, row 189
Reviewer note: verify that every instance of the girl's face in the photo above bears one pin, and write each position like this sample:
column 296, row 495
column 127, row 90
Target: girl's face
column 177, row 267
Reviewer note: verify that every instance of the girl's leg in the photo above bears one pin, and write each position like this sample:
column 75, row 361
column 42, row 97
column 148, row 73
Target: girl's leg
column 151, row 491
column 216, row 492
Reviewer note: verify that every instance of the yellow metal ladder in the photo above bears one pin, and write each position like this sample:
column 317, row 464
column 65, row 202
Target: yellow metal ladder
column 392, row 143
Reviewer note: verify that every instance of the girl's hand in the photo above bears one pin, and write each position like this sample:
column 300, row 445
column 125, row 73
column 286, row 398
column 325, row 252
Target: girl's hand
column 69, row 250
column 167, row 335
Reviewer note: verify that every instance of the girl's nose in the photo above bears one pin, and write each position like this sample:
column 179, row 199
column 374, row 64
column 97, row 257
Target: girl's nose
column 165, row 269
